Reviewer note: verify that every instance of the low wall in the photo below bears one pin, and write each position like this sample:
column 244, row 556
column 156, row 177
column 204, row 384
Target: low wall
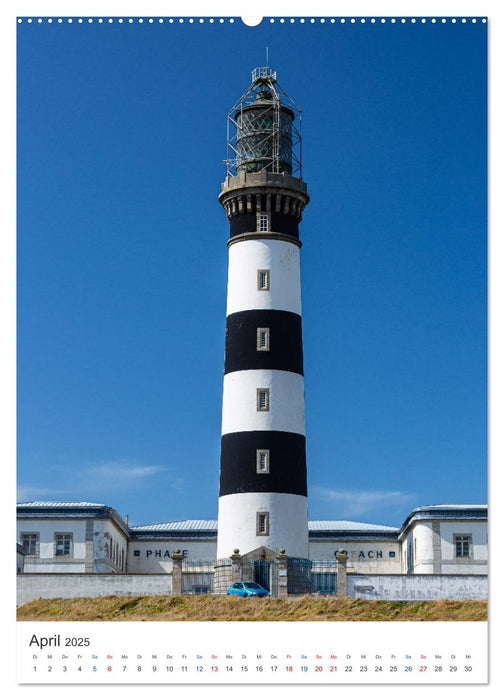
column 410, row 587
column 406, row 587
column 31, row 586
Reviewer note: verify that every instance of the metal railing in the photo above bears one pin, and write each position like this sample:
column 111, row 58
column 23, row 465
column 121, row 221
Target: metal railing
column 304, row 576
column 197, row 576
column 263, row 72
column 299, row 576
column 323, row 577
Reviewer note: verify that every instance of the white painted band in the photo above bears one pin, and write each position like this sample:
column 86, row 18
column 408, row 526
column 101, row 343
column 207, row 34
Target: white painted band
column 286, row 401
column 288, row 523
column 281, row 259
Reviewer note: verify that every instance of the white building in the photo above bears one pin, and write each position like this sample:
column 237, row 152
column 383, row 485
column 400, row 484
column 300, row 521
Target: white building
column 20, row 555
column 81, row 537
column 72, row 537
column 445, row 539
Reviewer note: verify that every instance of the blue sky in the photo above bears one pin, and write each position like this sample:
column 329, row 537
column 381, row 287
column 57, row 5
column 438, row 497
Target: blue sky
column 122, row 261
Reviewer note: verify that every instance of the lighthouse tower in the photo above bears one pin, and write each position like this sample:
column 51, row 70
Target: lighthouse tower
column 263, row 491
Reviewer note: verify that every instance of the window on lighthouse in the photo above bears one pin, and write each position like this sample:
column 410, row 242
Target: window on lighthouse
column 262, row 461
column 263, row 400
column 263, row 222
column 263, row 338
column 262, row 524
column 263, row 280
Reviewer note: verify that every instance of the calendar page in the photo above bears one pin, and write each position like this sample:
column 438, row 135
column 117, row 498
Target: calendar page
column 242, row 652
column 252, row 355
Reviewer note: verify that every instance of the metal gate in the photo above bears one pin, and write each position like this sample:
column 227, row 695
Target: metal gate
column 262, row 571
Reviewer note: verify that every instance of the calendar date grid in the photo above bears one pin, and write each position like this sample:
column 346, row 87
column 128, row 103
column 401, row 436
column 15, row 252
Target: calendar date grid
column 252, row 664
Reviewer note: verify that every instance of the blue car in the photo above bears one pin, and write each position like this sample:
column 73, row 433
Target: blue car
column 247, row 589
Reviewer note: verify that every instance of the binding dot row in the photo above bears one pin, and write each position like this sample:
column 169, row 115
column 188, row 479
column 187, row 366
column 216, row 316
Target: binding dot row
column 231, row 20
column 122, row 20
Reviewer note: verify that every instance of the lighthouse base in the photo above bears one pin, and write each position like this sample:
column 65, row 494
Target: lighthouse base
column 286, row 524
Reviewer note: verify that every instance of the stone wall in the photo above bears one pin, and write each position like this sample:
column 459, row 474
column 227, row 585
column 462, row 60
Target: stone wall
column 31, row 586
column 410, row 587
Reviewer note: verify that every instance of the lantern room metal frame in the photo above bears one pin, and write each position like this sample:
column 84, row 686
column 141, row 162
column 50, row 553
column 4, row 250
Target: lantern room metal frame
column 264, row 78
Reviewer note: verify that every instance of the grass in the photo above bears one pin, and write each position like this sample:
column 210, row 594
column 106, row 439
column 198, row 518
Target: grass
column 230, row 608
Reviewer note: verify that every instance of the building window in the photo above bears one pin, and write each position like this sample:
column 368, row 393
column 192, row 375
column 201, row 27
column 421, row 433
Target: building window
column 63, row 545
column 462, row 544
column 263, row 338
column 29, row 540
column 262, row 461
column 263, row 222
column 263, row 280
column 262, row 524
column 263, row 400
column 410, row 558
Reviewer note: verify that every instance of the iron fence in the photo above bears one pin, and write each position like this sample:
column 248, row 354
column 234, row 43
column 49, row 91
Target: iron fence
column 323, row 577
column 216, row 576
column 197, row 576
column 299, row 576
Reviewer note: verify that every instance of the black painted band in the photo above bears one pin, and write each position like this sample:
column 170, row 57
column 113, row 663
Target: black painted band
column 283, row 222
column 244, row 223
column 284, row 341
column 287, row 463
column 280, row 223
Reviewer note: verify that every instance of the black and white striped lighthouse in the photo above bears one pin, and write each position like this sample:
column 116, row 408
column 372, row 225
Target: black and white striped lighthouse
column 263, row 490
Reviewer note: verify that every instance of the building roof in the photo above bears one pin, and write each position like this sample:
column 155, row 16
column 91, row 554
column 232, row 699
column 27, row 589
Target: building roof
column 61, row 504
column 312, row 525
column 178, row 525
column 449, row 511
column 318, row 525
column 349, row 530
column 453, row 506
column 70, row 509
column 322, row 525
column 176, row 529
column 318, row 530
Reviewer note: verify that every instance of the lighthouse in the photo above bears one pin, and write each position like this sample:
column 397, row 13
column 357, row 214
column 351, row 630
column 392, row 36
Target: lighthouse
column 263, row 485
